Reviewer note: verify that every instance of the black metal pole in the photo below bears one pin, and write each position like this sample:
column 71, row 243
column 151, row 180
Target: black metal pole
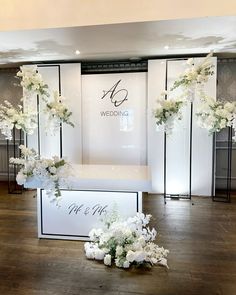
column 166, row 87
column 213, row 166
column 229, row 164
column 59, row 81
column 8, row 165
column 190, row 150
column 38, row 125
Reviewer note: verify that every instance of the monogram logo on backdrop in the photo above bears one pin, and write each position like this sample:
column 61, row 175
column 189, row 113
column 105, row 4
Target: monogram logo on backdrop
column 117, row 97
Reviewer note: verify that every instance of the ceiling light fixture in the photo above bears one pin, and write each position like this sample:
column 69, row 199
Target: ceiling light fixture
column 166, row 47
column 77, row 52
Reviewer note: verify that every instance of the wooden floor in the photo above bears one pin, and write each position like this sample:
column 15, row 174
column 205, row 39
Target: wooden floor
column 201, row 240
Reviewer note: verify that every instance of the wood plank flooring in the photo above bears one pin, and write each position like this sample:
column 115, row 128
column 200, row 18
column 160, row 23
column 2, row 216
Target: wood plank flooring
column 201, row 239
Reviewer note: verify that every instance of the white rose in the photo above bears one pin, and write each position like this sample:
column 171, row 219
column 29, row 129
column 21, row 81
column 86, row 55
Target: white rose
column 107, row 260
column 99, row 254
column 126, row 264
column 90, row 253
column 130, row 256
column 21, row 178
column 140, row 256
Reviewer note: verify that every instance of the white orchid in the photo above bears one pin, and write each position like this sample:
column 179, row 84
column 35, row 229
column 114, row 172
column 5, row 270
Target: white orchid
column 57, row 112
column 194, row 76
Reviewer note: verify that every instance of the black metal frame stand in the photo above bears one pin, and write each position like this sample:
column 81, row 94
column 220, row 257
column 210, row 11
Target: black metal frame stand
column 13, row 187
column 38, row 110
column 226, row 196
column 179, row 196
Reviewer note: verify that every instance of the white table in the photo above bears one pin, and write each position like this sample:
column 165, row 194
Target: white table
column 94, row 190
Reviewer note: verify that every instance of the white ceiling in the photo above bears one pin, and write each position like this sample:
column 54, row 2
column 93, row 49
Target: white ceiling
column 121, row 41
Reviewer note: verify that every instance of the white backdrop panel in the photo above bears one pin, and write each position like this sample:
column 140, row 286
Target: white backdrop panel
column 177, row 144
column 203, row 144
column 114, row 126
column 71, row 89
column 156, row 84
column 49, row 144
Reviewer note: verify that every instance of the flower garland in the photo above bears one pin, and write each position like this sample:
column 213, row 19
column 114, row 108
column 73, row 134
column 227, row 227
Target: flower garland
column 167, row 112
column 125, row 242
column 194, row 76
column 11, row 117
column 215, row 115
column 51, row 172
column 57, row 112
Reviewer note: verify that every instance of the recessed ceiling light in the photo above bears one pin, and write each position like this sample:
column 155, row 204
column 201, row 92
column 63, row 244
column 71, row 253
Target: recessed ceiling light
column 77, row 52
column 166, row 47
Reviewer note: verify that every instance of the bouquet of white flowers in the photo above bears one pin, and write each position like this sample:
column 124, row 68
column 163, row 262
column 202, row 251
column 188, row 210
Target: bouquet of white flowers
column 125, row 242
column 11, row 117
column 194, row 76
column 32, row 81
column 58, row 112
column 51, row 172
column 167, row 112
column 215, row 115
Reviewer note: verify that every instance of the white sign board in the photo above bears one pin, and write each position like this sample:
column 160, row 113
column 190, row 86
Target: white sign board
column 114, row 118
column 80, row 211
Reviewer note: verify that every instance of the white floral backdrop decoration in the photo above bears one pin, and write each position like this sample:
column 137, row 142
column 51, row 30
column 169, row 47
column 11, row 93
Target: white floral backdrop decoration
column 25, row 118
column 211, row 115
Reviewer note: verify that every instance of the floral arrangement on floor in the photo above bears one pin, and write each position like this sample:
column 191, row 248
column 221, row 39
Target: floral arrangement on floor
column 11, row 117
column 57, row 112
column 125, row 242
column 215, row 115
column 32, row 81
column 195, row 76
column 52, row 173
column 167, row 112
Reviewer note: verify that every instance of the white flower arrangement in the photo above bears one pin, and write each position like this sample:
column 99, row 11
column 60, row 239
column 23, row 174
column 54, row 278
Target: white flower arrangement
column 58, row 112
column 234, row 127
column 125, row 242
column 195, row 76
column 167, row 112
column 32, row 81
column 215, row 115
column 11, row 117
column 51, row 172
